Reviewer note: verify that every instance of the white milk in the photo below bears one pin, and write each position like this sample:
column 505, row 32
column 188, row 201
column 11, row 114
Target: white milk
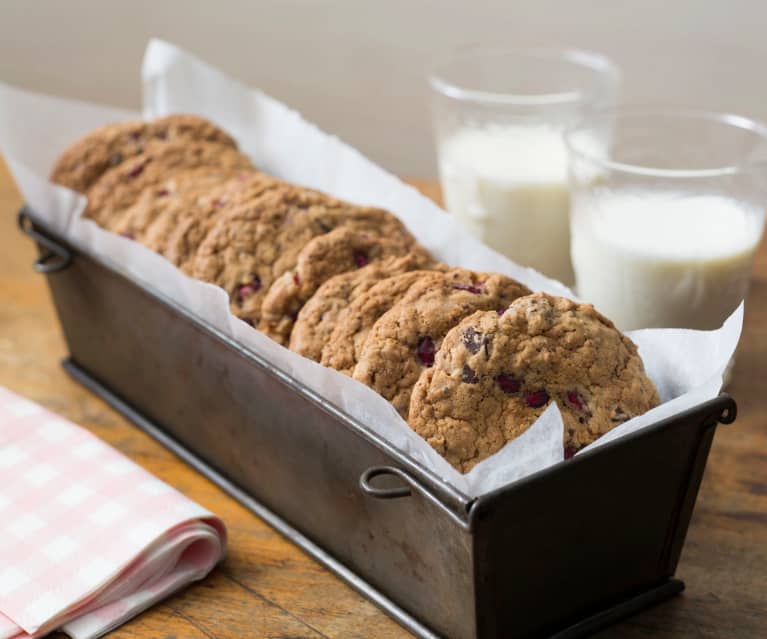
column 508, row 184
column 664, row 259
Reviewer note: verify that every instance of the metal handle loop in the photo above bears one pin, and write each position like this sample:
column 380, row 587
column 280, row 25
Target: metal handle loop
column 411, row 484
column 729, row 410
column 56, row 258
column 385, row 493
column 44, row 263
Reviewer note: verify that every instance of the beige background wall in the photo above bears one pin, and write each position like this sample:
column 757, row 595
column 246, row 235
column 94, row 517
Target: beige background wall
column 356, row 66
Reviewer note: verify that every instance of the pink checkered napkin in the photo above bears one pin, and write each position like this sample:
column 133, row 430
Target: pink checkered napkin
column 88, row 539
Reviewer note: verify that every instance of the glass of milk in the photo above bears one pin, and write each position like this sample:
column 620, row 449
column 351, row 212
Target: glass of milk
column 667, row 213
column 500, row 115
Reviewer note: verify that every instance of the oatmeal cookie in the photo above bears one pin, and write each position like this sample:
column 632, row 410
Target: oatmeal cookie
column 495, row 374
column 318, row 317
column 112, row 196
column 344, row 344
column 182, row 192
column 405, row 339
column 343, row 249
column 249, row 247
column 179, row 228
column 85, row 161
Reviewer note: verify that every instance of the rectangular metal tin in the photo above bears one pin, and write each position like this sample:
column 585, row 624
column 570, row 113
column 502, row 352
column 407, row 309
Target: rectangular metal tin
column 560, row 553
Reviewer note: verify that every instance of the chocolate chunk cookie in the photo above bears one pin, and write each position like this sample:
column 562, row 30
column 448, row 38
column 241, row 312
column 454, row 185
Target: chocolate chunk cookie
column 111, row 197
column 249, row 247
column 343, row 249
column 405, row 339
column 345, row 342
column 85, row 161
column 318, row 317
column 495, row 374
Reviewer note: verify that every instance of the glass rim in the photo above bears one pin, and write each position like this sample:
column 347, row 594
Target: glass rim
column 733, row 120
column 596, row 62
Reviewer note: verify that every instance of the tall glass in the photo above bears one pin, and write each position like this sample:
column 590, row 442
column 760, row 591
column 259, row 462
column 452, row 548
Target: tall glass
column 667, row 215
column 499, row 115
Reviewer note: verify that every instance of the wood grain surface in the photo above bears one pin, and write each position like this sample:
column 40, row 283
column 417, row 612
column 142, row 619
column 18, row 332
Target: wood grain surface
column 268, row 588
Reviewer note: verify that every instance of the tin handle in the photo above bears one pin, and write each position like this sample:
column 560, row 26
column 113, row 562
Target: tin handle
column 55, row 258
column 729, row 410
column 385, row 493
column 410, row 484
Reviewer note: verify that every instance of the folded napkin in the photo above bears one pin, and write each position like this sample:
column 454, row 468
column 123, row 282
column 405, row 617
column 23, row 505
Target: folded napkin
column 88, row 539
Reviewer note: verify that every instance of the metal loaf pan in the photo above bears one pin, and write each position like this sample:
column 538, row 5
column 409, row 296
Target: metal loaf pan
column 558, row 554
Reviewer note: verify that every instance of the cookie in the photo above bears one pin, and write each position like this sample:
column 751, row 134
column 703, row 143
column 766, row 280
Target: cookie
column 119, row 188
column 183, row 191
column 405, row 339
column 177, row 230
column 343, row 249
column 247, row 249
column 318, row 317
column 494, row 375
column 85, row 161
column 343, row 346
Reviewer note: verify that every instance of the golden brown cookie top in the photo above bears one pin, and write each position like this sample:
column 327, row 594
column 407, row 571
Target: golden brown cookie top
column 122, row 186
column 177, row 231
column 343, row 249
column 319, row 316
column 405, row 339
column 250, row 246
column 247, row 249
column 345, row 342
column 83, row 162
column 181, row 194
column 495, row 374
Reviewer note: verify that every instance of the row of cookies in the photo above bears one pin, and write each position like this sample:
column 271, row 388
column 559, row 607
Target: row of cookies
column 471, row 359
column 468, row 359
column 180, row 186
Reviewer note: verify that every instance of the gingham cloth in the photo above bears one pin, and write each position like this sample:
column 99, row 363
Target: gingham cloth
column 88, row 539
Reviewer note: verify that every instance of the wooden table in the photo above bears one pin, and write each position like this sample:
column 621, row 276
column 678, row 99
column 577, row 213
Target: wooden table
column 268, row 588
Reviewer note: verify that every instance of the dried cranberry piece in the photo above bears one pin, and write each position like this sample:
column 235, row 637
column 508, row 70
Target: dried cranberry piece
column 360, row 259
column 162, row 193
column 246, row 290
column 501, row 311
column 136, row 170
column 536, row 399
column 426, row 350
column 468, row 375
column 248, row 321
column 507, row 383
column 296, row 279
column 128, row 234
column 472, row 288
column 570, row 452
column 574, row 399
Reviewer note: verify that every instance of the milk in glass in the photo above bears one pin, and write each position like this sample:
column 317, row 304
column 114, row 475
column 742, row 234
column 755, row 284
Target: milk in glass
column 674, row 259
column 508, row 185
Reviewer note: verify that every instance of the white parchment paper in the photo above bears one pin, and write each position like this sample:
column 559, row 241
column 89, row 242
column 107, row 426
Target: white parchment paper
column 687, row 366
